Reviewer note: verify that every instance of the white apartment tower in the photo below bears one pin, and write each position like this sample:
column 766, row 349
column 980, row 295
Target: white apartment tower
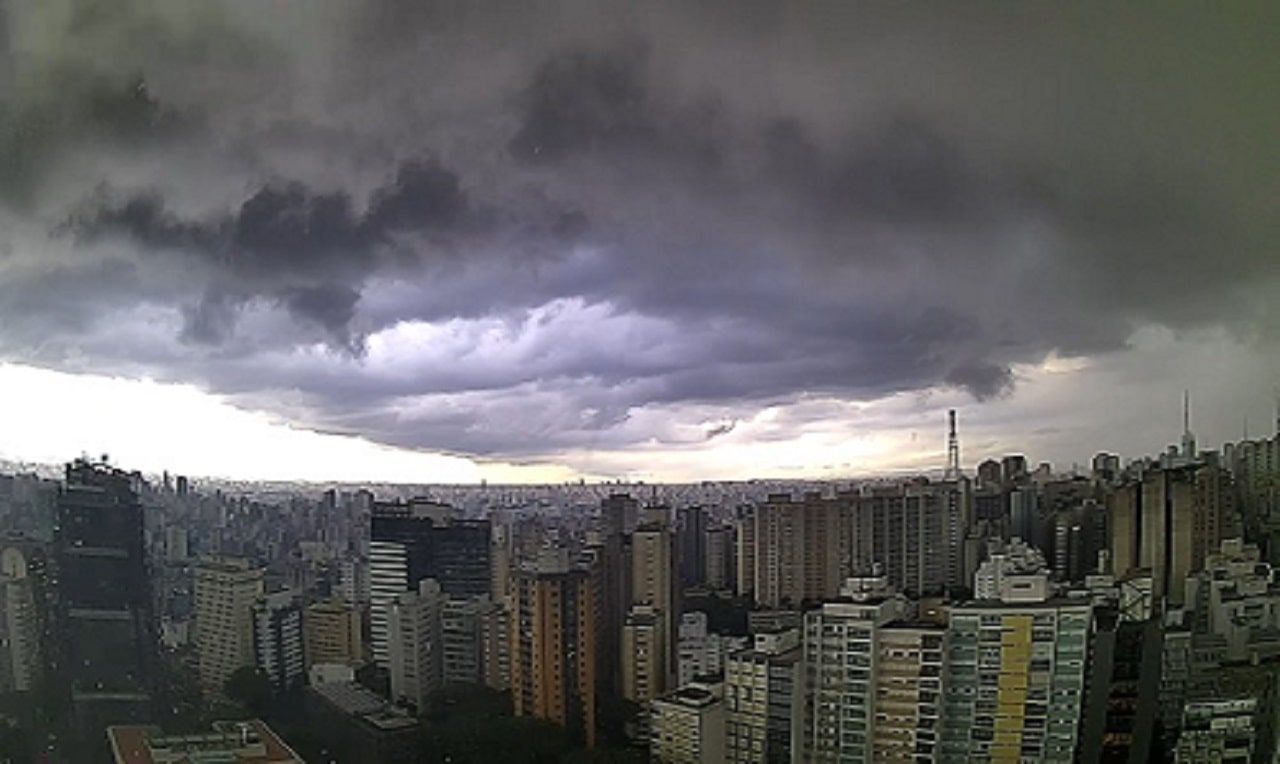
column 413, row 643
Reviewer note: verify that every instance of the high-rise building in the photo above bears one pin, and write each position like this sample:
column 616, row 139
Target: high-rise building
column 763, row 698
column 1255, row 465
column 225, row 591
column 106, row 630
column 688, row 726
column 801, row 549
column 744, row 540
column 915, row 531
column 654, row 586
column 840, row 660
column 388, row 579
column 1118, row 720
column 990, row 474
column 553, row 645
column 419, row 540
column 1013, row 469
column 500, row 559
column 495, row 646
column 644, row 654
column 1168, row 520
column 691, row 545
column 909, row 668
column 719, row 571
column 353, row 586
column 460, row 640
column 413, row 643
column 20, row 650
column 333, row 634
column 1015, row 680
column 277, row 639
column 619, row 515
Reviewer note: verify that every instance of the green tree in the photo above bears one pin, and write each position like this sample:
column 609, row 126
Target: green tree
column 251, row 689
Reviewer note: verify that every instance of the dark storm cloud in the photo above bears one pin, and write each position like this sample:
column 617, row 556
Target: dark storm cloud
column 310, row 249
column 739, row 204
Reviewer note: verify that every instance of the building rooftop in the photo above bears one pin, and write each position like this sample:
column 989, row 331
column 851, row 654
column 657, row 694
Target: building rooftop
column 693, row 696
column 249, row 742
column 357, row 700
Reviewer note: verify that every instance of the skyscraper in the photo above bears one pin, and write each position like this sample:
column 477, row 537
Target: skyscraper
column 225, row 591
column 1168, row 520
column 619, row 514
column 107, row 639
column 460, row 642
column 691, row 545
column 840, row 657
column 801, row 549
column 915, row 530
column 277, row 639
column 744, row 539
column 553, row 647
column 20, row 649
column 419, row 540
column 1015, row 680
column 413, row 643
column 644, row 655
column 654, row 585
column 719, row 568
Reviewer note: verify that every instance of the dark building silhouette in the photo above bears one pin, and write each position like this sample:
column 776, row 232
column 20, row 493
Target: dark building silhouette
column 454, row 552
column 619, row 515
column 106, row 635
column 691, row 540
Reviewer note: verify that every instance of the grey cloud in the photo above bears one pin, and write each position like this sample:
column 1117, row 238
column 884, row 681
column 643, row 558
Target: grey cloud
column 285, row 239
column 851, row 215
column 983, row 380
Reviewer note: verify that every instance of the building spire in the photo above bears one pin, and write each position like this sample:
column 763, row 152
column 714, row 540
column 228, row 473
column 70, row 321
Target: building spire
column 953, row 448
column 1277, row 394
column 1186, row 411
column 1188, row 440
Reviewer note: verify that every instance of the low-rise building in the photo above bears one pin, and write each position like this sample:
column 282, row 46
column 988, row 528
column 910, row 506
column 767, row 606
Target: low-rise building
column 355, row 724
column 247, row 742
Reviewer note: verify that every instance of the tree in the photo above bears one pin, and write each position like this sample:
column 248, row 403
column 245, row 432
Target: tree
column 250, row 688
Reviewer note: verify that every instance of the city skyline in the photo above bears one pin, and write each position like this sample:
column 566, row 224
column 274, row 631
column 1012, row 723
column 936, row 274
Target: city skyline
column 537, row 242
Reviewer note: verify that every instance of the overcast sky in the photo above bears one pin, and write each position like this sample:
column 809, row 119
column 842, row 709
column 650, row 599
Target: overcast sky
column 448, row 240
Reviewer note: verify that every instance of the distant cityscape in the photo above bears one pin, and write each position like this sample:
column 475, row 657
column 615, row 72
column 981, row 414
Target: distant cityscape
column 1003, row 611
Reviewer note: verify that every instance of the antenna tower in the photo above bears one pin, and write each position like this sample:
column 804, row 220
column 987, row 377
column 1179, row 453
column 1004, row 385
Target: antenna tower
column 1186, row 411
column 953, row 448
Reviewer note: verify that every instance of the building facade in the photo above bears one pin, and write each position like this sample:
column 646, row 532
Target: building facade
column 333, row 634
column 278, row 640
column 553, row 645
column 1015, row 680
column 688, row 726
column 762, row 698
column 225, row 592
